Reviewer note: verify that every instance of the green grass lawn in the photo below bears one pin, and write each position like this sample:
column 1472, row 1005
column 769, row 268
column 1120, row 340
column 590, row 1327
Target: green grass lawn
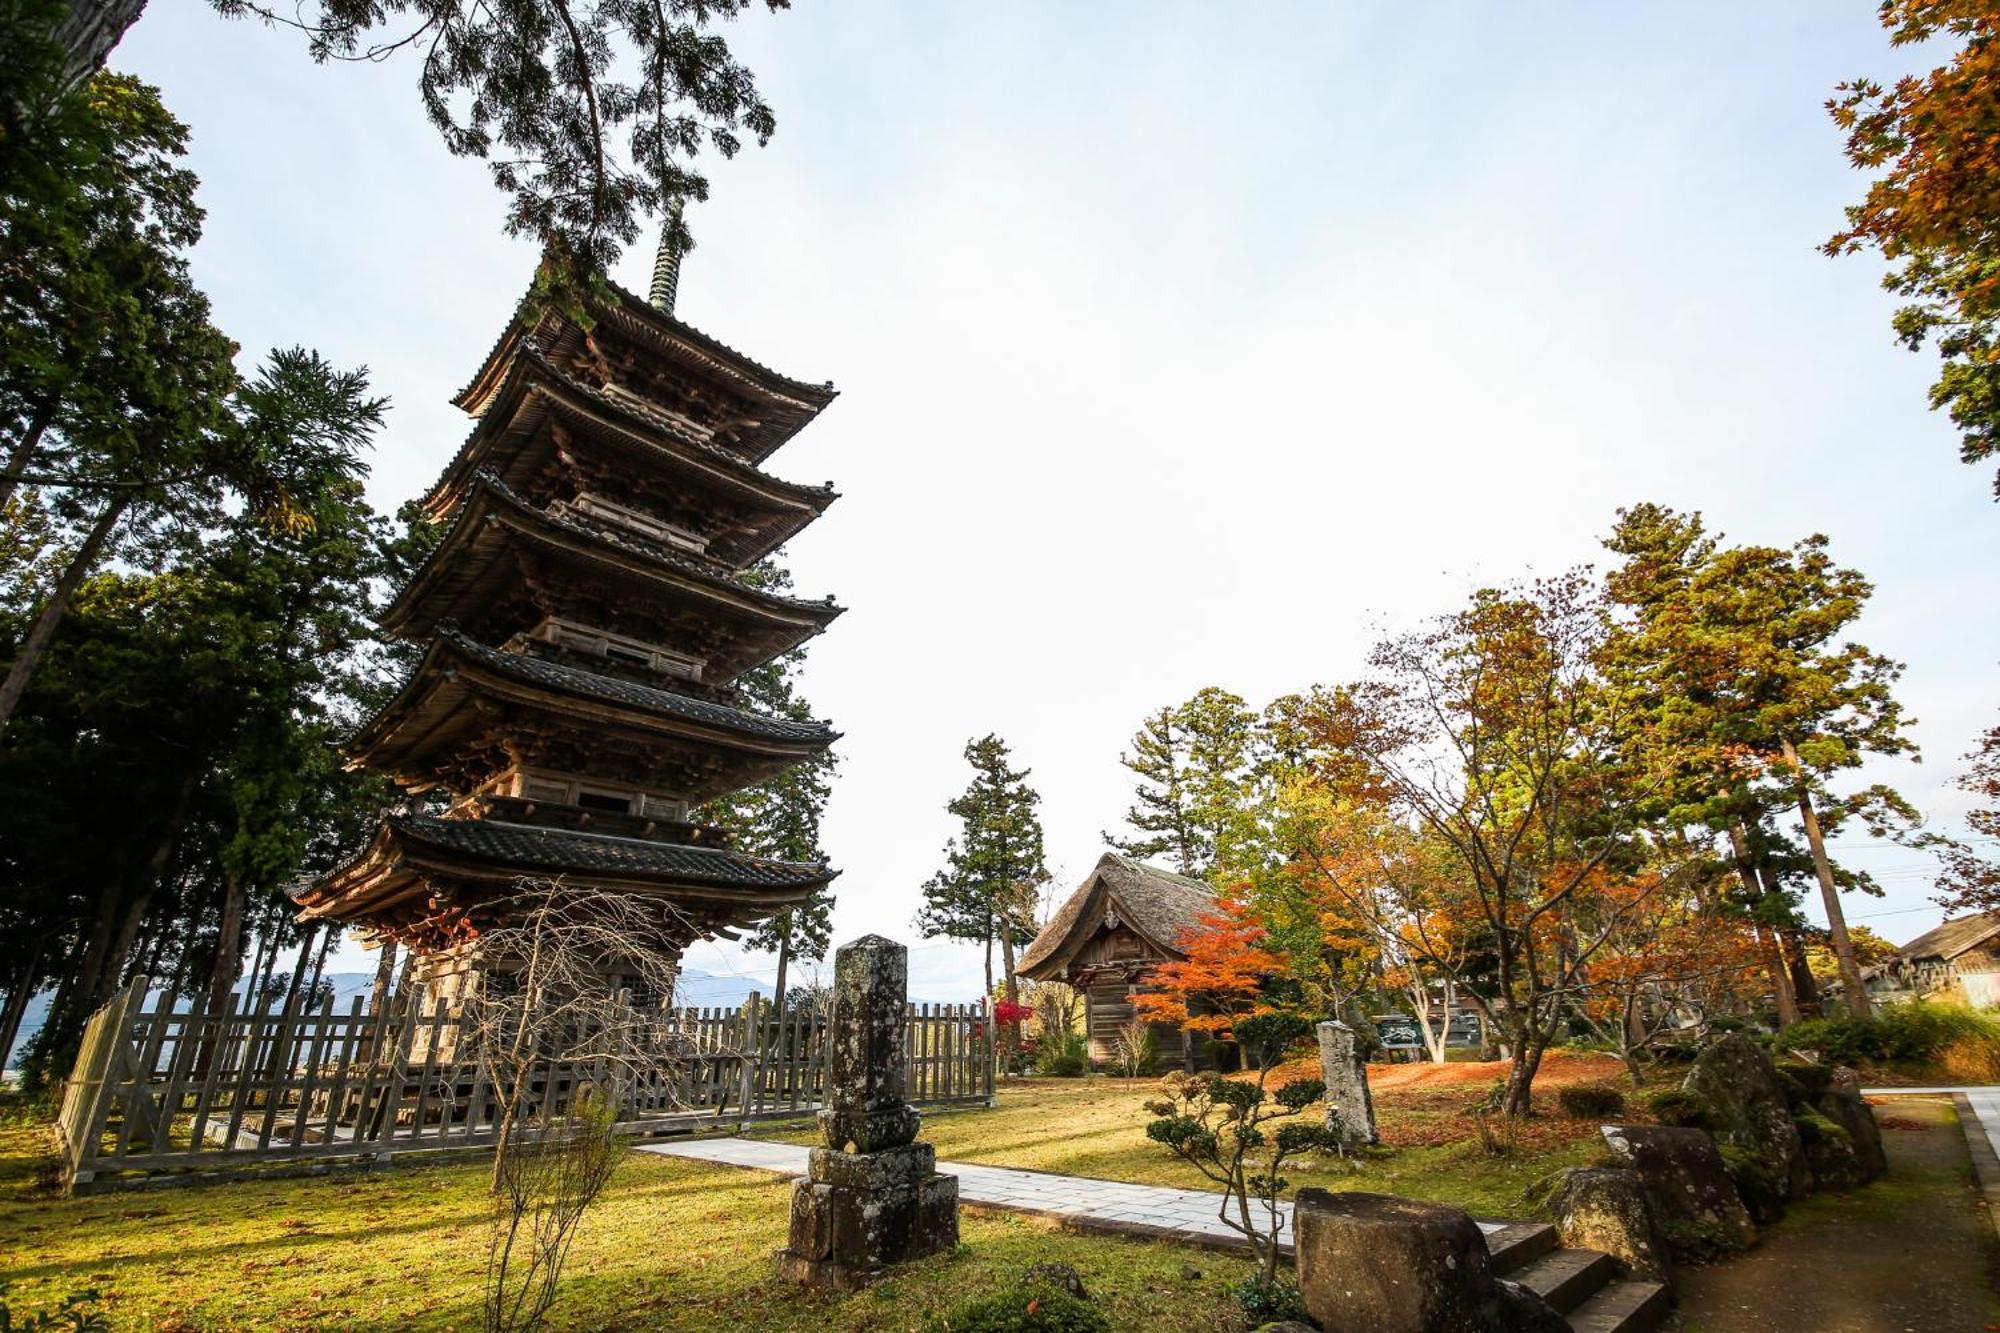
column 672, row 1244
column 1097, row 1127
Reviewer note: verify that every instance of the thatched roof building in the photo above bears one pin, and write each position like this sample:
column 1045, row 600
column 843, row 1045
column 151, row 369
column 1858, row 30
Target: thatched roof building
column 1124, row 920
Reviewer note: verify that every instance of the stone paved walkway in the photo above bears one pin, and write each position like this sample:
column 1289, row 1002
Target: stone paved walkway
column 1979, row 1118
column 1097, row 1205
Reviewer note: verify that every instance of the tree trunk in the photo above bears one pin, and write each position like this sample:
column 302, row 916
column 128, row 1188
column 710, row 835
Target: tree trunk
column 113, row 973
column 43, row 632
column 326, row 943
column 784, row 966
column 88, row 31
column 299, row 968
column 1420, row 1005
column 1767, row 947
column 228, row 947
column 1010, row 1032
column 1519, row 1098
column 378, row 996
column 987, row 994
column 1804, row 984
column 1829, row 893
column 80, row 999
column 23, row 452
column 25, row 982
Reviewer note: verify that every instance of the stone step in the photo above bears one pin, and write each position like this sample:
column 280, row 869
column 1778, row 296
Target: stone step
column 1519, row 1243
column 1566, row 1278
column 1622, row 1307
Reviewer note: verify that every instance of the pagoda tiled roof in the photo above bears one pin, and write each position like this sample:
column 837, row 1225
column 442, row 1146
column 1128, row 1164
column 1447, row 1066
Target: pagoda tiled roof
column 488, row 488
column 805, row 401
column 820, row 394
column 603, row 855
column 665, row 703
column 639, row 419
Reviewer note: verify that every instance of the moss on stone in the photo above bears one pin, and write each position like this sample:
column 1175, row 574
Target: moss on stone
column 1816, row 1128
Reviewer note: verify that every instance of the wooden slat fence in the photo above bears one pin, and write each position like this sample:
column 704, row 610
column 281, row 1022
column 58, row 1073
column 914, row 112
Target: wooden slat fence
column 159, row 1089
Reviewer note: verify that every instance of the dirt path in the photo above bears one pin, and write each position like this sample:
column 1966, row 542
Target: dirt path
column 1912, row 1253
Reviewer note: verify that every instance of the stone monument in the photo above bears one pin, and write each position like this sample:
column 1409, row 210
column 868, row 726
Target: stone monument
column 1349, row 1107
column 872, row 1195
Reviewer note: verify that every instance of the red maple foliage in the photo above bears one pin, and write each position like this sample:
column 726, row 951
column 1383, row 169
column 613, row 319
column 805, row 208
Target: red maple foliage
column 1221, row 978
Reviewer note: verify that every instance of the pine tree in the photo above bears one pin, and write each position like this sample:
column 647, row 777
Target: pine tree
column 994, row 866
column 1160, row 807
column 1201, row 797
column 1736, row 663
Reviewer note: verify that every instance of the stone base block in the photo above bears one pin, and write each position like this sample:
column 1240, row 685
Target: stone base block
column 869, row 1131
column 908, row 1165
column 843, row 1235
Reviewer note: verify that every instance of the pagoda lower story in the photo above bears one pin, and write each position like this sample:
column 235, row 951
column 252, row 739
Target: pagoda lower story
column 587, row 610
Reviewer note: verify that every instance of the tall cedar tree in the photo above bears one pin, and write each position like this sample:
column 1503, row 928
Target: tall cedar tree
column 136, row 428
column 780, row 818
column 208, row 697
column 994, row 867
column 1933, row 208
column 1200, row 767
column 1746, row 672
column 589, row 116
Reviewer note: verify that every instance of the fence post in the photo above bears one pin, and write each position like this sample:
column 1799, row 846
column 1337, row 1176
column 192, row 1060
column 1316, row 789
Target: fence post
column 751, row 1070
column 92, row 1084
column 991, row 1053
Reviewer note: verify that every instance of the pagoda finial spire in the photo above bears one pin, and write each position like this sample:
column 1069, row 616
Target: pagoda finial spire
column 667, row 262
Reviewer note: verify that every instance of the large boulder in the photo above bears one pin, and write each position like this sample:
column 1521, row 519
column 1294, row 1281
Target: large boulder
column 1682, row 1172
column 1738, row 1083
column 1605, row 1208
column 1373, row 1263
column 1862, row 1158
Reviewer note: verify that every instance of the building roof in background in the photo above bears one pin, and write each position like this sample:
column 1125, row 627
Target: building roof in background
column 1158, row 904
column 1952, row 938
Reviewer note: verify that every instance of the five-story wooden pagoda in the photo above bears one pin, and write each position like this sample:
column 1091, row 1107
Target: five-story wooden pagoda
column 585, row 611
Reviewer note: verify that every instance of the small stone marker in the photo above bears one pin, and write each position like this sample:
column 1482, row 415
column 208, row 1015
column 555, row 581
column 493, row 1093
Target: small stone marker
column 872, row 1196
column 1349, row 1107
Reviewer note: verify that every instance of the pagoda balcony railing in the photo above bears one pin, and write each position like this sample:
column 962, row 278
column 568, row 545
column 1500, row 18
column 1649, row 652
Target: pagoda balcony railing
column 579, row 819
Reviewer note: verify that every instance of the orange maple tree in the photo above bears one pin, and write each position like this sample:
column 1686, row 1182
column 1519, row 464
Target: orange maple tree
column 1934, row 142
column 1220, row 979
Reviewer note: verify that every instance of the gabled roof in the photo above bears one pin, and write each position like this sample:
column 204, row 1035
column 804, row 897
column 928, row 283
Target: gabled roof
column 1952, row 938
column 437, row 592
column 1160, row 905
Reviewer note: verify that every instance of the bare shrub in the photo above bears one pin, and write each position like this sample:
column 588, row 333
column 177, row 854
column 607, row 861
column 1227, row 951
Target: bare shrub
column 571, row 1018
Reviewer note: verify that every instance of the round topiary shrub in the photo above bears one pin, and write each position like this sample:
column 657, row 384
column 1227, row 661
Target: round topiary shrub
column 1591, row 1101
column 1033, row 1308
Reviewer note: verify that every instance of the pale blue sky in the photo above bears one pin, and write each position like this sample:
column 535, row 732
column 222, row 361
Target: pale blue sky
column 1184, row 345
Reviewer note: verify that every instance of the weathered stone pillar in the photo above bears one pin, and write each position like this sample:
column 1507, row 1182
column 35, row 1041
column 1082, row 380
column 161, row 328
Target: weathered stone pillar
column 872, row 1196
column 1349, row 1107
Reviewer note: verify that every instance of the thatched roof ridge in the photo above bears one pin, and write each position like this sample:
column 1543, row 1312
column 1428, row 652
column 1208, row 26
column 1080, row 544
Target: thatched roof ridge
column 1158, row 904
column 1953, row 938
